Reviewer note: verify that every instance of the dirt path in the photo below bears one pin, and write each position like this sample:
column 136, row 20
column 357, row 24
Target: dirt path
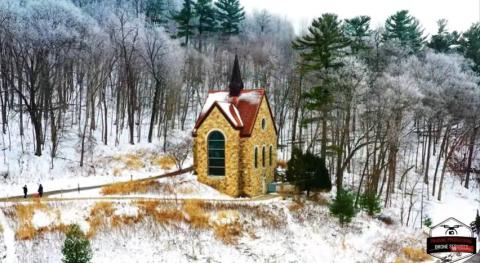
column 9, row 239
column 63, row 191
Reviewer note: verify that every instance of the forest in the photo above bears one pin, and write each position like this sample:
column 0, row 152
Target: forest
column 390, row 109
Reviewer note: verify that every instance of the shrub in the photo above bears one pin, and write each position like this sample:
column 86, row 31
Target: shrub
column 308, row 172
column 427, row 221
column 76, row 248
column 370, row 203
column 343, row 207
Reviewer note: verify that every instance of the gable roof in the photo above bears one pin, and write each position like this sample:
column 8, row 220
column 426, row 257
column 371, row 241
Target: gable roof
column 240, row 111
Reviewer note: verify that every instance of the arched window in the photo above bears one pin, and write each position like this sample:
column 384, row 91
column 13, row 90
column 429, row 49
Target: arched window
column 263, row 156
column 256, row 157
column 216, row 154
column 270, row 156
column 264, row 123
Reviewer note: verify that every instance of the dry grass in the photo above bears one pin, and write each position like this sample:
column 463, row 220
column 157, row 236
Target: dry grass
column 415, row 254
column 319, row 199
column 24, row 215
column 227, row 226
column 1, row 228
column 197, row 215
column 133, row 161
column 161, row 214
column 117, row 171
column 123, row 220
column 296, row 206
column 228, row 233
column 131, row 187
column 99, row 214
column 400, row 260
column 164, row 161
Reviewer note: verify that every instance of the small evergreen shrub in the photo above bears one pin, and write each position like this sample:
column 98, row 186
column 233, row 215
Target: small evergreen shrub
column 343, row 206
column 308, row 172
column 370, row 203
column 427, row 221
column 76, row 248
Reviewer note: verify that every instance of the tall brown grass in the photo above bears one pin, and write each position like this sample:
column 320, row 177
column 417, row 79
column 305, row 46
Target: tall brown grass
column 415, row 254
column 164, row 161
column 197, row 215
column 130, row 187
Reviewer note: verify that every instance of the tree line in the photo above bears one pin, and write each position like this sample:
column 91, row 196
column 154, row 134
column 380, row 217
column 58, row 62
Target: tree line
column 385, row 104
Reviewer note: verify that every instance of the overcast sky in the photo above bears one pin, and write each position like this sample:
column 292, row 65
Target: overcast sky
column 459, row 13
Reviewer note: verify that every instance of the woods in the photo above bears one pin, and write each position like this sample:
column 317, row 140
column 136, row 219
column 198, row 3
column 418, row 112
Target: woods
column 388, row 109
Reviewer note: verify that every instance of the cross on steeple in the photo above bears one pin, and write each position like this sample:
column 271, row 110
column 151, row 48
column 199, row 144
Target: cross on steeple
column 236, row 83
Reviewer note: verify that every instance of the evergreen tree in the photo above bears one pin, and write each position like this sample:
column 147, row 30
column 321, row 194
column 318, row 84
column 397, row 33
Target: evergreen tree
column 470, row 45
column 443, row 41
column 370, row 203
column 357, row 30
column 295, row 166
column 308, row 172
column 186, row 21
column 229, row 14
column 206, row 19
column 406, row 29
column 343, row 207
column 320, row 50
column 155, row 11
column 76, row 248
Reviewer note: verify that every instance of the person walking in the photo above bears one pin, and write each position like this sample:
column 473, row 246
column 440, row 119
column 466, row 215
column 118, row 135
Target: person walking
column 40, row 190
column 25, row 191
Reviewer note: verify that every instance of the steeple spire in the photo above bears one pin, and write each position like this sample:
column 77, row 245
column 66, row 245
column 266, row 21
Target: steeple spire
column 236, row 83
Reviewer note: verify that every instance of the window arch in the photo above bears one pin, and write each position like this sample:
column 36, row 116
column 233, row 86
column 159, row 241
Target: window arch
column 255, row 160
column 216, row 154
column 263, row 156
column 270, row 156
column 264, row 123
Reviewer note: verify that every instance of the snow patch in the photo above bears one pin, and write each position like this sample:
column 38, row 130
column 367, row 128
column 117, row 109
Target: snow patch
column 42, row 219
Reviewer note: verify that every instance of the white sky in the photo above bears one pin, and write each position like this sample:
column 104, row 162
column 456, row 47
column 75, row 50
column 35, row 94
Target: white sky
column 459, row 13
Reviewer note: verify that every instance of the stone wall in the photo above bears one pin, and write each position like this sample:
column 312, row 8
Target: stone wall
column 228, row 184
column 254, row 180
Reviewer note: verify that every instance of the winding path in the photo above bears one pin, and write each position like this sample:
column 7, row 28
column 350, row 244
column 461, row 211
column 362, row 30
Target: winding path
column 63, row 191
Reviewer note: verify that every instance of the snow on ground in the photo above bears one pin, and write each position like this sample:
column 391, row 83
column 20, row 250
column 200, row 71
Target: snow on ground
column 7, row 243
column 271, row 232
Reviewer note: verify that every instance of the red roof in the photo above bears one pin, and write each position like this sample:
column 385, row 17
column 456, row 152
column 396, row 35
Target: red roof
column 240, row 111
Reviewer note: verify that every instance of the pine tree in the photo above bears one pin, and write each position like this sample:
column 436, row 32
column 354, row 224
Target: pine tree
column 186, row 21
column 207, row 22
column 230, row 14
column 357, row 30
column 320, row 50
column 406, row 29
column 76, row 248
column 370, row 203
column 343, row 207
column 470, row 45
column 443, row 41
column 155, row 11
column 308, row 172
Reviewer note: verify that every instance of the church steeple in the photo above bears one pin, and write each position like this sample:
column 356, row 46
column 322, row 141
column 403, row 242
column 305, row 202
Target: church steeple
column 236, row 83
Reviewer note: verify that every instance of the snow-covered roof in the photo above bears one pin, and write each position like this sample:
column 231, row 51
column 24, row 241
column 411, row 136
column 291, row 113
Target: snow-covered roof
column 240, row 111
